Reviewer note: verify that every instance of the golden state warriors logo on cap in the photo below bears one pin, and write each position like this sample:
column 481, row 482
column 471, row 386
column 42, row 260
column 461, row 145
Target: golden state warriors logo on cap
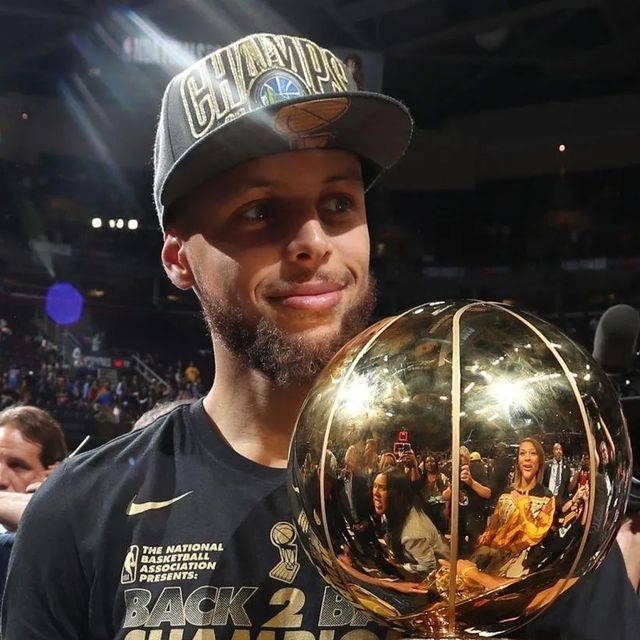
column 277, row 86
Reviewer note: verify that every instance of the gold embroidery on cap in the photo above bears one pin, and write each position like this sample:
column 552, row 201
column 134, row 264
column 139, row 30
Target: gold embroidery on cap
column 252, row 57
column 199, row 98
column 219, row 87
column 320, row 74
column 340, row 81
column 272, row 54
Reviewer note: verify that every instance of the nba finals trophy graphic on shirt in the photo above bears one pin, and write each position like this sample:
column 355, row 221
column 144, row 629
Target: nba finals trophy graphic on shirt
column 455, row 468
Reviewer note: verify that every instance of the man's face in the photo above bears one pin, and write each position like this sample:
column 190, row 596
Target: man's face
column 370, row 453
column 604, row 453
column 351, row 460
column 277, row 250
column 380, row 494
column 20, row 463
column 557, row 451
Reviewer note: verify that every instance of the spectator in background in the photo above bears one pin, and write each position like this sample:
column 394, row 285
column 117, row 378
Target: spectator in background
column 5, row 334
column 370, row 457
column 387, row 459
column 412, row 538
column 192, row 373
column 178, row 376
column 355, row 65
column 475, row 493
column 331, row 460
column 14, row 378
column 430, row 489
column 121, row 389
column 434, row 482
column 31, row 446
column 353, row 489
column 557, row 474
column 5, row 331
column 105, row 395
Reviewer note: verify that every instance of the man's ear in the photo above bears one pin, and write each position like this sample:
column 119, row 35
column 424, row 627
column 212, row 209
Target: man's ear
column 175, row 262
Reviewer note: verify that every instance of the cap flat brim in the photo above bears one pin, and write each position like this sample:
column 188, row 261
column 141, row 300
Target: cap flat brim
column 372, row 126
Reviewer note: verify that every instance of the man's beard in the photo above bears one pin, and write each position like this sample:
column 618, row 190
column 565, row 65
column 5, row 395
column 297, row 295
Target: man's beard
column 283, row 358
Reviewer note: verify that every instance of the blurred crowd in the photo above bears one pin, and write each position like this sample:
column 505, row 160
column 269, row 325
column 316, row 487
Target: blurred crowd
column 33, row 372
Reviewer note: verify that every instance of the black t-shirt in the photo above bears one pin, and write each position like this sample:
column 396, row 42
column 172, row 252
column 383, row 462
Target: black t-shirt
column 168, row 534
column 477, row 506
column 600, row 606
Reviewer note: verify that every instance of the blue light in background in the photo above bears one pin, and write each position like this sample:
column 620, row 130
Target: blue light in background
column 64, row 303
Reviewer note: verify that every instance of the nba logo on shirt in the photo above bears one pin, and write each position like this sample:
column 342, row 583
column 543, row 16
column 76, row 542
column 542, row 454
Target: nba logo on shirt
column 282, row 536
column 130, row 565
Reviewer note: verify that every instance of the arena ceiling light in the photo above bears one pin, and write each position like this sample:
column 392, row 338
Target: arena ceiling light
column 132, row 224
column 96, row 223
column 119, row 223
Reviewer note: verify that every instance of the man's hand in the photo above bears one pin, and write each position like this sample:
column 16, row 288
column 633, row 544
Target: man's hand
column 12, row 506
column 465, row 475
column 409, row 460
column 582, row 493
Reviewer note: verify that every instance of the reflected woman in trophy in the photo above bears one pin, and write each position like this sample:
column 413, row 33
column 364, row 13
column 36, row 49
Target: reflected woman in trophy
column 412, row 543
column 430, row 488
column 387, row 460
column 521, row 519
column 410, row 534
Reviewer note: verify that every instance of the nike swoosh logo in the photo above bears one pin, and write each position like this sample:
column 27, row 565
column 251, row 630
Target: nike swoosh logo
column 135, row 508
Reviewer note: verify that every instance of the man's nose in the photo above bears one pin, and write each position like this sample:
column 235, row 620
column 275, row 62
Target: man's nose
column 310, row 246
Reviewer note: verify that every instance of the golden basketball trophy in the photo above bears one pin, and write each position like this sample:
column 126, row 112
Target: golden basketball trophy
column 484, row 530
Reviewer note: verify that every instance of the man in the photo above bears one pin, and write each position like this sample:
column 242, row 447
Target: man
column 475, row 494
column 31, row 446
column 332, row 461
column 354, row 491
column 370, row 458
column 557, row 474
column 183, row 529
column 502, row 466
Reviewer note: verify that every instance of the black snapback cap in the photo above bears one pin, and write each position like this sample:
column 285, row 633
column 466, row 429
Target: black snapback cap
column 262, row 95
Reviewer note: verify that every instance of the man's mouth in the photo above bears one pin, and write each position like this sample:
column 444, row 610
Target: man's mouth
column 310, row 296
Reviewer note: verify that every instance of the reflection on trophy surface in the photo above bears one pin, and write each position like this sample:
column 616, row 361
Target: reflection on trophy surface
column 481, row 463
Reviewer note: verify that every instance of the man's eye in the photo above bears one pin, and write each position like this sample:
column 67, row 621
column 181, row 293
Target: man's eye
column 338, row 204
column 255, row 212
